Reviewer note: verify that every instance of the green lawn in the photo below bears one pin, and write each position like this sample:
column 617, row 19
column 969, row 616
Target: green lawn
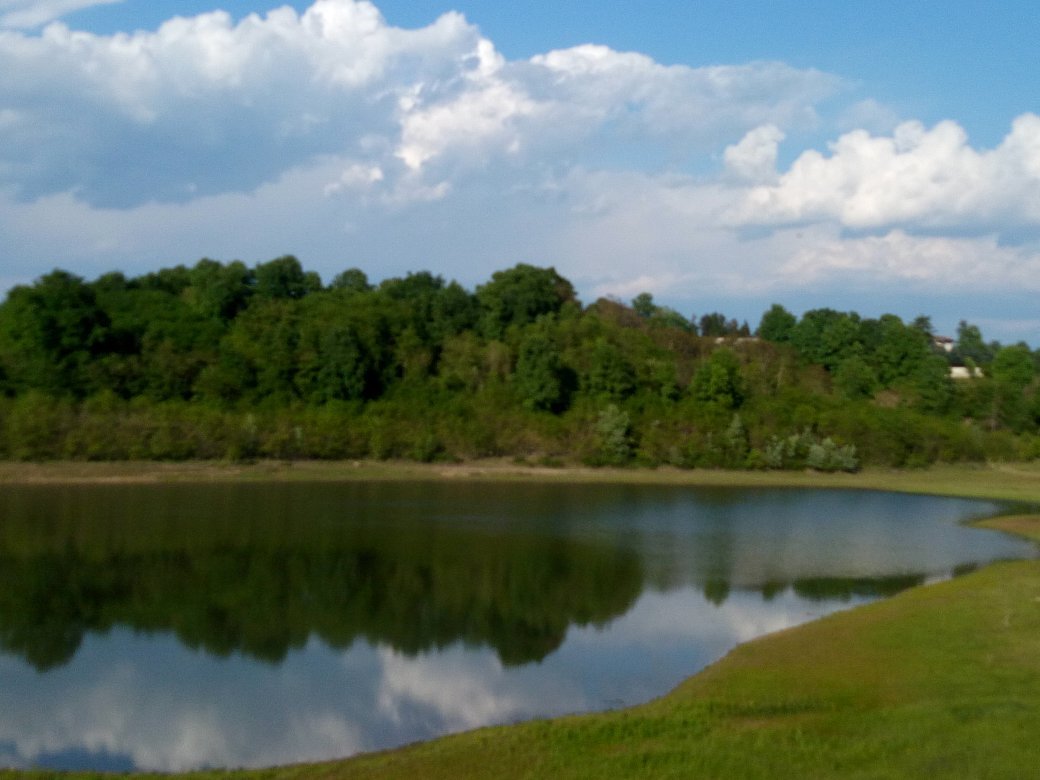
column 941, row 681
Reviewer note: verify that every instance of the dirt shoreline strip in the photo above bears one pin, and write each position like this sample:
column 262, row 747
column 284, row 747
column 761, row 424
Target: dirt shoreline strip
column 1016, row 482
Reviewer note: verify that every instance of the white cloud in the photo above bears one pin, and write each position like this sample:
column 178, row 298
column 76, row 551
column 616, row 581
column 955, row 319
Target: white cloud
column 475, row 118
column 25, row 14
column 917, row 177
column 462, row 691
column 634, row 94
column 754, row 156
column 205, row 104
column 927, row 263
column 869, row 115
column 356, row 176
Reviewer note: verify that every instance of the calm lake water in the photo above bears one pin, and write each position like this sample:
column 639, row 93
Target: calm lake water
column 182, row 626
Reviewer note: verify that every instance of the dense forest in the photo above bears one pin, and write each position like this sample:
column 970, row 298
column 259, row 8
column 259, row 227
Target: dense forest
column 224, row 361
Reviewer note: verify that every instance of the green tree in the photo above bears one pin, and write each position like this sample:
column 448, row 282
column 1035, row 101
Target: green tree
column 610, row 374
column 540, row 374
column 827, row 337
column 716, row 325
column 643, row 305
column 263, row 345
column 345, row 347
column 353, row 279
column 172, row 281
column 719, row 381
column 1013, row 365
column 219, row 291
column 614, row 435
column 432, row 309
column 969, row 348
column 519, row 296
column 933, row 385
column 777, row 324
column 854, row 378
column 900, row 351
column 284, row 277
column 50, row 332
column 1012, row 371
column 735, row 443
column 665, row 317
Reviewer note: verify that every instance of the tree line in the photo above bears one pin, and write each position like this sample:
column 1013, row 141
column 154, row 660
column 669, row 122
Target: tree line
column 222, row 360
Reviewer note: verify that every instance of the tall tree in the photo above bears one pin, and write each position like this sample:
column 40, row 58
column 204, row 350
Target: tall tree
column 969, row 346
column 719, row 380
column 50, row 331
column 776, row 324
column 219, row 291
column 519, row 296
column 540, row 376
column 284, row 277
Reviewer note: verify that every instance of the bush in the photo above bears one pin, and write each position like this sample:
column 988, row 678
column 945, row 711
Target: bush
column 804, row 450
column 614, row 433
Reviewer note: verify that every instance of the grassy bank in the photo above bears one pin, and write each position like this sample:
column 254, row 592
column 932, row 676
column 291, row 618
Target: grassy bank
column 1012, row 481
column 938, row 681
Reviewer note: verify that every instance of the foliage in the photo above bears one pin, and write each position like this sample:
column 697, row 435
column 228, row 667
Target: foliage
column 614, row 433
column 719, row 381
column 539, row 377
column 777, row 324
column 519, row 296
column 804, row 450
column 169, row 365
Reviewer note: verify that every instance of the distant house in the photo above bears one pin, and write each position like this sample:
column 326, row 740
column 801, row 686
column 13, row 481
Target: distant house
column 736, row 340
column 964, row 372
column 945, row 343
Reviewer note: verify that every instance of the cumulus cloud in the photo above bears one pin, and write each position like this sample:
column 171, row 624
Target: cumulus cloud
column 24, row 14
column 594, row 84
column 869, row 114
column 208, row 104
column 930, row 263
column 916, row 177
column 754, row 156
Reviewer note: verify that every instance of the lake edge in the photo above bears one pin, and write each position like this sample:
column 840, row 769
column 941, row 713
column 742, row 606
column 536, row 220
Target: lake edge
column 1017, row 482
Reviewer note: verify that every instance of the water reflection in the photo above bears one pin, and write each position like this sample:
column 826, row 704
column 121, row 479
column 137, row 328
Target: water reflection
column 412, row 591
column 133, row 701
column 184, row 626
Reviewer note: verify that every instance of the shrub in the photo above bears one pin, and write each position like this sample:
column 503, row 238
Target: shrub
column 614, row 432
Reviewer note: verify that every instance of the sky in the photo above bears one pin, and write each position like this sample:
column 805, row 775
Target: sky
column 722, row 155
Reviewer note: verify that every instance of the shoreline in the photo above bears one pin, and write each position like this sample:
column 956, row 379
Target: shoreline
column 1017, row 482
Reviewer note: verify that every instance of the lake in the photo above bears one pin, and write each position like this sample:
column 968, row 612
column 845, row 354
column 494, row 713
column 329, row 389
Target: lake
column 170, row 627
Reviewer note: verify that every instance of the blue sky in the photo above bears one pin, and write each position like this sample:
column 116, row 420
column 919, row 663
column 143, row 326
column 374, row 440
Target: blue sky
column 879, row 156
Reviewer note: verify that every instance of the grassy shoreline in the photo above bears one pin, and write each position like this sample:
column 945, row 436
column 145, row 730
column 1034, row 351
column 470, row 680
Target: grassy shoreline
column 1003, row 481
column 940, row 680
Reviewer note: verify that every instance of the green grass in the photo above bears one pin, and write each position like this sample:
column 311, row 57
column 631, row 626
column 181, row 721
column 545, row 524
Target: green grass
column 940, row 681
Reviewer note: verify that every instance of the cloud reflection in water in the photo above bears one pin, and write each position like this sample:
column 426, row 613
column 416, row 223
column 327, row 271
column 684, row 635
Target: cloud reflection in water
column 166, row 708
